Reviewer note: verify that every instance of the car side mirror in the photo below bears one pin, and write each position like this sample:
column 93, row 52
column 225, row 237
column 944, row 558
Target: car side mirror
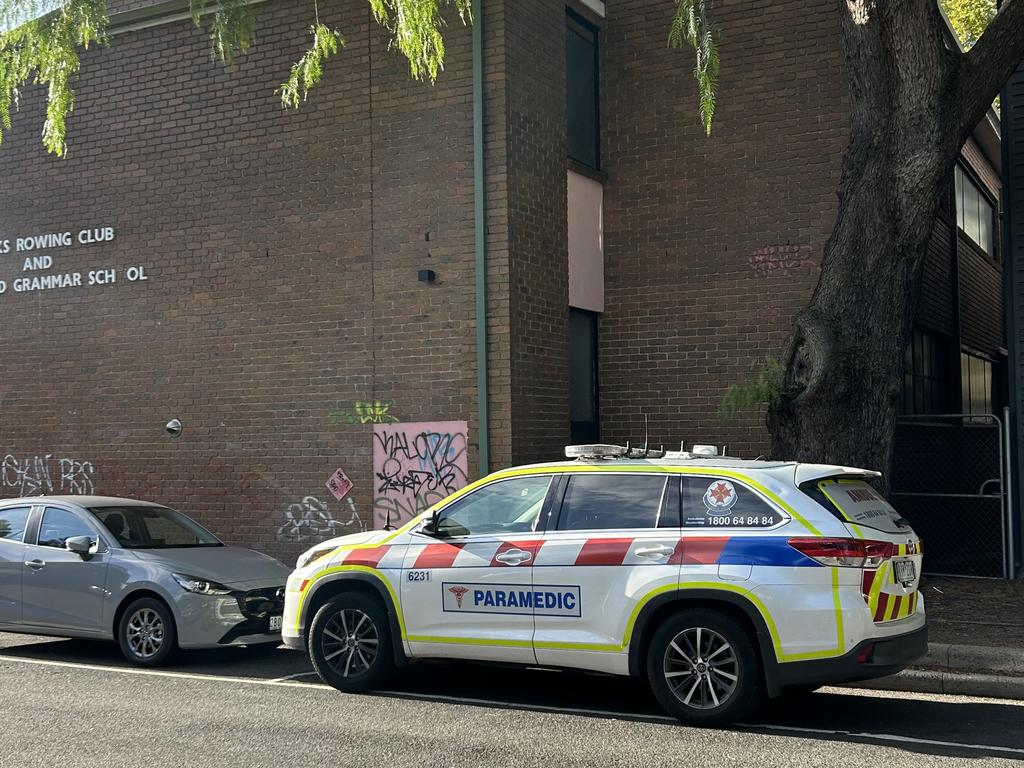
column 80, row 545
column 431, row 526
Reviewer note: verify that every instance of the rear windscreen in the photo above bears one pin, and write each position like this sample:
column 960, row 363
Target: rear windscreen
column 856, row 502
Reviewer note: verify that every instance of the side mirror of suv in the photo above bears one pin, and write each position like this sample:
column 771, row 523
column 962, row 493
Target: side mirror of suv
column 80, row 545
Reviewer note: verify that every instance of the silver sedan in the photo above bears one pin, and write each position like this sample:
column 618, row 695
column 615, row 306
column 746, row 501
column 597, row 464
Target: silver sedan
column 142, row 574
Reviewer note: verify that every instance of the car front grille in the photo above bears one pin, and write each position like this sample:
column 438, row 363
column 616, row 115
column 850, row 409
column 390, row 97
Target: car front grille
column 261, row 603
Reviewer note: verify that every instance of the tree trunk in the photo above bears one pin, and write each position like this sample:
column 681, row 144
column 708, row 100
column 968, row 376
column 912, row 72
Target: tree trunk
column 914, row 98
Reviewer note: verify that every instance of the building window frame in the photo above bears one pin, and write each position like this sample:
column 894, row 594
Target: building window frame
column 977, row 368
column 925, row 374
column 579, row 25
column 966, row 184
column 584, row 430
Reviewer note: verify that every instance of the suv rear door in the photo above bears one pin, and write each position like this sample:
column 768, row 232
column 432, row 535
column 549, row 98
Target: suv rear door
column 609, row 544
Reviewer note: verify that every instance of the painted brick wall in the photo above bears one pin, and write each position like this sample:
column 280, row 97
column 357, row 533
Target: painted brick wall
column 712, row 244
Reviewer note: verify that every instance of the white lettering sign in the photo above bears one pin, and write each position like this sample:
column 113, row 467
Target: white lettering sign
column 29, row 249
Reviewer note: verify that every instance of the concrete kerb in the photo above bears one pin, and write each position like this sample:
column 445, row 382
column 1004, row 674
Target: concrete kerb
column 966, row 670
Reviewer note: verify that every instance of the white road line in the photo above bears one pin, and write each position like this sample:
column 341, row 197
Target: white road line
column 284, row 682
column 521, row 705
column 290, row 682
column 293, row 677
column 887, row 737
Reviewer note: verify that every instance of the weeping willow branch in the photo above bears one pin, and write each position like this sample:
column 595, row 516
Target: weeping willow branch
column 45, row 51
column 415, row 27
column 690, row 26
column 39, row 44
column 308, row 70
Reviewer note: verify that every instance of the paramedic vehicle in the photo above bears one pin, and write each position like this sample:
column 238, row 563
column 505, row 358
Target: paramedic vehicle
column 721, row 581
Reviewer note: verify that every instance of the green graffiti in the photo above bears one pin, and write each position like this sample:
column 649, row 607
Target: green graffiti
column 376, row 412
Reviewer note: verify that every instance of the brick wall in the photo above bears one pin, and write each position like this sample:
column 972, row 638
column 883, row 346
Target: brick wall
column 281, row 250
column 712, row 244
column 538, row 228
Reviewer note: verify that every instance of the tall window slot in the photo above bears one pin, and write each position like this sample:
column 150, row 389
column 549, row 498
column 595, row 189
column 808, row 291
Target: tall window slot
column 582, row 90
column 583, row 395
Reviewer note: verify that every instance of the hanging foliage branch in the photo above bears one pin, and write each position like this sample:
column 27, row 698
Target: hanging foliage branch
column 40, row 44
column 308, row 70
column 690, row 26
column 415, row 27
column 45, row 51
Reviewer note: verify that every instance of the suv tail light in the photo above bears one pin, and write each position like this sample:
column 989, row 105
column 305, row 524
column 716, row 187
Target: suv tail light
column 845, row 553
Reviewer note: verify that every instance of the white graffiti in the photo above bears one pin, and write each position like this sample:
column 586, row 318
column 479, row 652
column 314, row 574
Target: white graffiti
column 310, row 518
column 41, row 475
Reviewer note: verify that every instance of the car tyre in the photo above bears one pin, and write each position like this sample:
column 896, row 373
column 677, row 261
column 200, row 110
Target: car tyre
column 146, row 633
column 350, row 643
column 704, row 668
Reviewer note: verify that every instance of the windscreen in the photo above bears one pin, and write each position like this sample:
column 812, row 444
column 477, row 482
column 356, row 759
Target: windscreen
column 860, row 504
column 152, row 527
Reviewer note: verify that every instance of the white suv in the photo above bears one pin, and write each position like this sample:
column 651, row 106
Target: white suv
column 719, row 580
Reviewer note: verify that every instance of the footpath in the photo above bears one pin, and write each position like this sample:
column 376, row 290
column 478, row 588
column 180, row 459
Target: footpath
column 975, row 640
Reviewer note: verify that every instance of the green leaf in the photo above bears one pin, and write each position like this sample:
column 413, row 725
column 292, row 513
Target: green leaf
column 308, row 70
column 764, row 389
column 690, row 26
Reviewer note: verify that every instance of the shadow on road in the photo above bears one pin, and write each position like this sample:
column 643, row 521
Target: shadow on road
column 967, row 728
column 260, row 662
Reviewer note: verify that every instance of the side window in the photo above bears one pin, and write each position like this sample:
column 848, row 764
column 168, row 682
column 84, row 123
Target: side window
column 710, row 502
column 600, row 501
column 59, row 525
column 13, row 522
column 507, row 506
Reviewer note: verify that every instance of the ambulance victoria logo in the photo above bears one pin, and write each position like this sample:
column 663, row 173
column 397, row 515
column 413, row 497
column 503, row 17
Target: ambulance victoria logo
column 459, row 592
column 720, row 496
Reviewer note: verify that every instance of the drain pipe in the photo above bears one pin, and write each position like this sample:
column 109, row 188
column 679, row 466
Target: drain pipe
column 480, row 233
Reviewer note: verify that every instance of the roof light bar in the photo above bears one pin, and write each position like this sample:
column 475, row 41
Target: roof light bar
column 595, row 451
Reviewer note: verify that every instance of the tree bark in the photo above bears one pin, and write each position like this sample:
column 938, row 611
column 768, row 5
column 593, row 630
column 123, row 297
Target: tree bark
column 914, row 98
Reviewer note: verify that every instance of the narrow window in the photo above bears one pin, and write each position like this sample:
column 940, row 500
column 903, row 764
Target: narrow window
column 582, row 103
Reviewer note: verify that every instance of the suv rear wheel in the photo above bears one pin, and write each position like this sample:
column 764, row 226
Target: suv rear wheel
column 703, row 667
column 350, row 643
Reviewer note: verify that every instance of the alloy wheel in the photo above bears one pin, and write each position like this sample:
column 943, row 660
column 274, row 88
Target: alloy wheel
column 145, row 633
column 701, row 668
column 350, row 642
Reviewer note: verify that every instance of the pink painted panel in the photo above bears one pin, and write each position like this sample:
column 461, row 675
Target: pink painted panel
column 415, row 465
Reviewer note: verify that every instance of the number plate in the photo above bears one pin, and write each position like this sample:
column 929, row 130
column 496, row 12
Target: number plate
column 275, row 623
column 905, row 570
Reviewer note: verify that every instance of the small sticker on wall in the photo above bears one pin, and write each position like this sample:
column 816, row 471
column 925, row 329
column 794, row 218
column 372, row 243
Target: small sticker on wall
column 720, row 496
column 339, row 484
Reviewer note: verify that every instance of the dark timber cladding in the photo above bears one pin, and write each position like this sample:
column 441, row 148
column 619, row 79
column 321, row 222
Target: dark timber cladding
column 1012, row 103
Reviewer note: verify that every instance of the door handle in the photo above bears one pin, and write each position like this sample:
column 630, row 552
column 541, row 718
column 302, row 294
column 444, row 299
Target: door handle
column 36, row 564
column 514, row 557
column 654, row 552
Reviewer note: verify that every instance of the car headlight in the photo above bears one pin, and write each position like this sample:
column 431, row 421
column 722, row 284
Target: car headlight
column 315, row 553
column 200, row 586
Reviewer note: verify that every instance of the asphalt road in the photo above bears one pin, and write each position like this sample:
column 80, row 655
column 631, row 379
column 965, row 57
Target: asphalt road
column 69, row 703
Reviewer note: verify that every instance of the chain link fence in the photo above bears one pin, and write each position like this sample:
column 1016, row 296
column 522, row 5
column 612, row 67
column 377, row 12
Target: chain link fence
column 947, row 479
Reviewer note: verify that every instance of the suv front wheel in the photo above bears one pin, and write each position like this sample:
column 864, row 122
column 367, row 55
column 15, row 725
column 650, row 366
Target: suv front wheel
column 703, row 667
column 350, row 643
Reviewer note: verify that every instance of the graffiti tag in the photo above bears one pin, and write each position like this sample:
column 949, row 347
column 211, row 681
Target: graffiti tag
column 782, row 260
column 41, row 475
column 414, row 467
column 376, row 412
column 311, row 519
